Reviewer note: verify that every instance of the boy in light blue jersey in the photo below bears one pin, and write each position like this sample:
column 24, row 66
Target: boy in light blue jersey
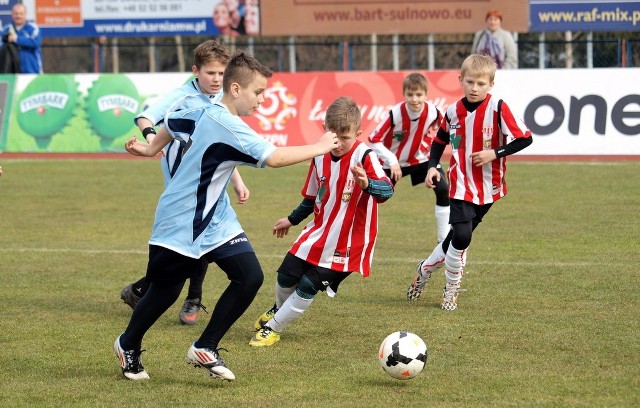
column 194, row 220
column 209, row 61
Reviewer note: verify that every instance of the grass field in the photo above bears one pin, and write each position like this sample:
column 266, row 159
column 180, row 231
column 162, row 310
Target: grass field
column 550, row 317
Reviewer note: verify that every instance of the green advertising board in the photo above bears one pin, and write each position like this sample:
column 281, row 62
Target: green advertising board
column 76, row 113
column 6, row 97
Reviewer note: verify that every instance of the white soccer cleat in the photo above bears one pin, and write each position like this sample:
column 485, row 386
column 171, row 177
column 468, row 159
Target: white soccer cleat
column 210, row 360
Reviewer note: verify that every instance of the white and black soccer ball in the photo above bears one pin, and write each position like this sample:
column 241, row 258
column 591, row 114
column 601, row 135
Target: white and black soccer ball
column 403, row 355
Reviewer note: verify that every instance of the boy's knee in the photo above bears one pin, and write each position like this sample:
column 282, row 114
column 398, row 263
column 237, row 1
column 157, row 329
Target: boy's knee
column 306, row 289
column 286, row 281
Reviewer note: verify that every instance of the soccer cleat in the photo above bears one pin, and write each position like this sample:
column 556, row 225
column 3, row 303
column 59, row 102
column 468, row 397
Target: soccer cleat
column 130, row 362
column 265, row 317
column 210, row 360
column 129, row 297
column 450, row 297
column 189, row 311
column 264, row 337
column 423, row 275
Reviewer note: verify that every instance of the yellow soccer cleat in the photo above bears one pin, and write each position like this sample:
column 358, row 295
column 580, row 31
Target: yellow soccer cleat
column 264, row 337
column 265, row 317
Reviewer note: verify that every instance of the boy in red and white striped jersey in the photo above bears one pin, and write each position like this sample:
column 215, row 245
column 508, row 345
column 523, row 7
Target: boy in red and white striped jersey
column 402, row 140
column 482, row 131
column 343, row 189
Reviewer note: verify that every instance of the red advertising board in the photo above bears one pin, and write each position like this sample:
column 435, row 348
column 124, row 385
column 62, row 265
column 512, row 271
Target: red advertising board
column 295, row 104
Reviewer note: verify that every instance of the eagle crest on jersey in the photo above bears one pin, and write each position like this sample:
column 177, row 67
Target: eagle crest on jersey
column 321, row 191
column 399, row 135
column 455, row 140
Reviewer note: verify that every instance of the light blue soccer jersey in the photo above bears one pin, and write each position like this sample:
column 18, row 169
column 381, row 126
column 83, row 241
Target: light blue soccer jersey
column 194, row 214
column 156, row 114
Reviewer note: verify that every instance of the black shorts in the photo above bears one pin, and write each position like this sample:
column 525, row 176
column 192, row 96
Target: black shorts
column 319, row 276
column 418, row 173
column 464, row 211
column 169, row 267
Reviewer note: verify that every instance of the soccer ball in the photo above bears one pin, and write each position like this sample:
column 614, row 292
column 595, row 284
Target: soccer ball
column 403, row 355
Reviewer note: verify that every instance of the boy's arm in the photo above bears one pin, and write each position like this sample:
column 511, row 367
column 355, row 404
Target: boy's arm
column 281, row 228
column 380, row 188
column 239, row 187
column 288, row 155
column 437, row 148
column 485, row 156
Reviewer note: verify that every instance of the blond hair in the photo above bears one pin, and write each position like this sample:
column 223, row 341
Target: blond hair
column 476, row 65
column 343, row 116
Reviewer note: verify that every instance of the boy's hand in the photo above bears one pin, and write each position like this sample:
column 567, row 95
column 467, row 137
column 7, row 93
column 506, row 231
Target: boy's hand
column 483, row 157
column 360, row 175
column 136, row 147
column 396, row 172
column 328, row 142
column 242, row 192
column 282, row 227
column 432, row 174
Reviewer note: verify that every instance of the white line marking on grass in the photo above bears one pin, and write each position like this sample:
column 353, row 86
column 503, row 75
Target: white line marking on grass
column 280, row 256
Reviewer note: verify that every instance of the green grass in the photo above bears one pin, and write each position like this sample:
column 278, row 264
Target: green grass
column 550, row 317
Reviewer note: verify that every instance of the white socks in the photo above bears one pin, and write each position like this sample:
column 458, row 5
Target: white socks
column 290, row 311
column 442, row 221
column 434, row 261
column 454, row 263
column 282, row 294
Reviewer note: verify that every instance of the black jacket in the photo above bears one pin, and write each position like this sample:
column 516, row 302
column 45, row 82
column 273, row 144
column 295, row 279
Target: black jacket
column 9, row 58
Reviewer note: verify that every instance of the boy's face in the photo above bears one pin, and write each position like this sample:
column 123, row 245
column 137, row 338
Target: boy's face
column 247, row 100
column 209, row 77
column 476, row 87
column 345, row 141
column 415, row 99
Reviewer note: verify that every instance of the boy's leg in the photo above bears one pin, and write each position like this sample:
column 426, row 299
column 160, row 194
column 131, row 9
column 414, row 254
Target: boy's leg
column 442, row 206
column 245, row 278
column 426, row 267
column 158, row 300
column 167, row 273
column 284, row 287
column 296, row 304
column 192, row 304
column 132, row 293
column 288, row 275
column 128, row 345
column 464, row 219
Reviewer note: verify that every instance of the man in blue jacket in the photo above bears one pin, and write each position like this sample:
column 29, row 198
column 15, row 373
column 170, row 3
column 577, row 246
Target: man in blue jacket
column 26, row 36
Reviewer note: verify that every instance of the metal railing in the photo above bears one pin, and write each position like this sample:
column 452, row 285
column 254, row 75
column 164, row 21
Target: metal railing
column 555, row 50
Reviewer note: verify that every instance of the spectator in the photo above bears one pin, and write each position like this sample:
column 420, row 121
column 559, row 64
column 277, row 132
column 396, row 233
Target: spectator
column 26, row 36
column 496, row 42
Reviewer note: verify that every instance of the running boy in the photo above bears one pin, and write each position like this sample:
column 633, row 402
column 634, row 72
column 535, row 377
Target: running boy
column 482, row 131
column 343, row 189
column 402, row 141
column 209, row 61
column 194, row 220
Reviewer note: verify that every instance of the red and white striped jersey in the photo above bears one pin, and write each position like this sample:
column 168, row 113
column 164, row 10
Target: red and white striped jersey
column 343, row 232
column 484, row 128
column 403, row 137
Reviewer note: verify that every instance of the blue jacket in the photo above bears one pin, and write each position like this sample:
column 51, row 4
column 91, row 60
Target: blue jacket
column 29, row 42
